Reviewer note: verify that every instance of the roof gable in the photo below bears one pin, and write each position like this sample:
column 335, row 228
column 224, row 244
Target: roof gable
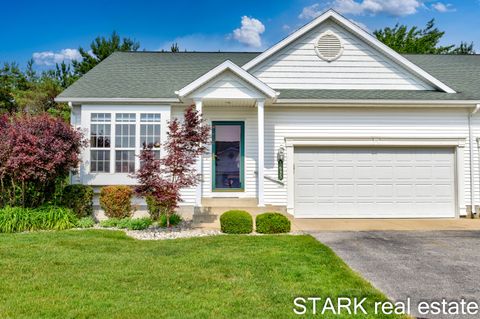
column 406, row 73
column 227, row 76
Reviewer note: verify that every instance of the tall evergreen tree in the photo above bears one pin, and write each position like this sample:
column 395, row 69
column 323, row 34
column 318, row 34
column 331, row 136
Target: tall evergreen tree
column 100, row 49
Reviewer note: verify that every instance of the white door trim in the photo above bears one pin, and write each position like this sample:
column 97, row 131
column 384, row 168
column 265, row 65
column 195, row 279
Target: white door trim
column 389, row 141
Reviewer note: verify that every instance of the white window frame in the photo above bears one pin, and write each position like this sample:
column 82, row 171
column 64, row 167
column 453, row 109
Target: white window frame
column 112, row 178
column 123, row 148
column 106, row 149
column 155, row 149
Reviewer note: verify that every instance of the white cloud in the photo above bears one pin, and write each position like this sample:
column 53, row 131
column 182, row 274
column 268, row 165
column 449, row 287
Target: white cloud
column 249, row 33
column 311, row 12
column 50, row 58
column 361, row 7
column 391, row 7
column 442, row 7
column 286, row 27
column 204, row 42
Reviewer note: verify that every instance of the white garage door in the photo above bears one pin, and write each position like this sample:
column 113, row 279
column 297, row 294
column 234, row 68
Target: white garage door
column 374, row 182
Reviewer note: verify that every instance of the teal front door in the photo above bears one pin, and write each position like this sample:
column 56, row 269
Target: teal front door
column 228, row 152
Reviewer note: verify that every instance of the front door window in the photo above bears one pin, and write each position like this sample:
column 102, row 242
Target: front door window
column 228, row 156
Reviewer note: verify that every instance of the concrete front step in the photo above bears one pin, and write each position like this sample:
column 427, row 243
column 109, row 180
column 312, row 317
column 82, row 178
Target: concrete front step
column 204, row 215
column 229, row 202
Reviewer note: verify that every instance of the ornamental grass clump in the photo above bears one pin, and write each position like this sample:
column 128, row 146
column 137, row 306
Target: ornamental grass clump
column 18, row 219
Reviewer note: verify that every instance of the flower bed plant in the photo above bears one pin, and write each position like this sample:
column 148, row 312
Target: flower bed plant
column 18, row 219
column 127, row 223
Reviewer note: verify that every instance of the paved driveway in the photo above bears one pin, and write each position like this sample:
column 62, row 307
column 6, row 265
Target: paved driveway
column 424, row 266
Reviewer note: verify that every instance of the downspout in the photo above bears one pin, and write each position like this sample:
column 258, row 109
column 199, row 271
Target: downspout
column 472, row 175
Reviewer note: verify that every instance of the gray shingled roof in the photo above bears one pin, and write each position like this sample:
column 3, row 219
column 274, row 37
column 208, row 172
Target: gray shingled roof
column 160, row 74
column 148, row 74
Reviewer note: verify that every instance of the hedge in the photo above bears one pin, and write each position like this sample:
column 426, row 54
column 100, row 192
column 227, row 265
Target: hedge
column 116, row 201
column 236, row 222
column 272, row 223
column 79, row 198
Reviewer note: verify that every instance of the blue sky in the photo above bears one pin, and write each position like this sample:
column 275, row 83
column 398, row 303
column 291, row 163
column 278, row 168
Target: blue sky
column 51, row 31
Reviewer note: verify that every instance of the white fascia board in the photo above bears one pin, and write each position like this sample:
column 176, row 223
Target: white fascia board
column 227, row 65
column 354, row 103
column 367, row 37
column 115, row 100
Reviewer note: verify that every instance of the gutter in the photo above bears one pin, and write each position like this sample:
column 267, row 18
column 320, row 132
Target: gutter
column 472, row 175
column 115, row 100
column 366, row 102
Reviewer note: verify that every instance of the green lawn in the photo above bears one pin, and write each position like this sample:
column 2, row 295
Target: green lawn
column 94, row 274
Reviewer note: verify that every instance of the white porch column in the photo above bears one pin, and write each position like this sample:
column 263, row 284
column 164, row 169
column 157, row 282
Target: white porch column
column 261, row 150
column 198, row 195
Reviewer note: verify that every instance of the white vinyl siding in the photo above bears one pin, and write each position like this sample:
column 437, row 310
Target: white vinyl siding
column 309, row 122
column 232, row 113
column 360, row 66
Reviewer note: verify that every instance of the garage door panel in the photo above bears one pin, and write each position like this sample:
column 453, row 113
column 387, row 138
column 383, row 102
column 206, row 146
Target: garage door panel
column 374, row 182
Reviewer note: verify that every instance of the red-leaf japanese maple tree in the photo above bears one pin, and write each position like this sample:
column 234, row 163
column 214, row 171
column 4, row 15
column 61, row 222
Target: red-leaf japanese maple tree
column 36, row 151
column 162, row 179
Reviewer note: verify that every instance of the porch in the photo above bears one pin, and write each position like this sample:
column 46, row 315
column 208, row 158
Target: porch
column 233, row 102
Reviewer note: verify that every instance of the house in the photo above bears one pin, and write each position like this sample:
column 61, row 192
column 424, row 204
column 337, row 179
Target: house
column 327, row 123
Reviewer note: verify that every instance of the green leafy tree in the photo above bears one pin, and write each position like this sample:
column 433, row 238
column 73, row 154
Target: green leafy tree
column 420, row 41
column 100, row 49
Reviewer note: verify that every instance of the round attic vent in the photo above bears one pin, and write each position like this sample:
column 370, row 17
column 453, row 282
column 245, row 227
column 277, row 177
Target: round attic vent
column 329, row 47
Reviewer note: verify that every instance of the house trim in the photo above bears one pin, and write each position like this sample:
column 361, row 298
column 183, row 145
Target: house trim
column 366, row 102
column 238, row 71
column 242, row 157
column 81, row 100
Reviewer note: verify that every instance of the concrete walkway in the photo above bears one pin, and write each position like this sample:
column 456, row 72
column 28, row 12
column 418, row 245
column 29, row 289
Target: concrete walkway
column 320, row 225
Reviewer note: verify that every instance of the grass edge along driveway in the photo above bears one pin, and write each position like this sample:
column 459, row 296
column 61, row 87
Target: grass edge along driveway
column 105, row 274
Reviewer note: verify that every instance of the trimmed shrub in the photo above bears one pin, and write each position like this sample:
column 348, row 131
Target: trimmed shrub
column 116, row 201
column 236, row 222
column 272, row 223
column 154, row 209
column 86, row 222
column 175, row 219
column 18, row 219
column 79, row 198
column 111, row 222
